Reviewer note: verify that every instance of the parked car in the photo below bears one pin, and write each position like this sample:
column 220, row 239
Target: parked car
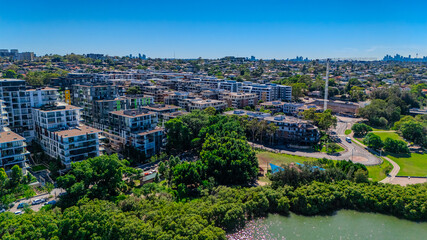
column 18, row 212
column 22, row 205
column 36, row 201
column 52, row 202
column 2, row 210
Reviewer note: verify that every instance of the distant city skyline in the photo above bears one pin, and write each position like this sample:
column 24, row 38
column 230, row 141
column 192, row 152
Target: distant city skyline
column 192, row 29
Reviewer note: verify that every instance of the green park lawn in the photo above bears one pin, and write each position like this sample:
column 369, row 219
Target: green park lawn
column 347, row 131
column 339, row 150
column 278, row 158
column 377, row 172
column 414, row 164
column 392, row 135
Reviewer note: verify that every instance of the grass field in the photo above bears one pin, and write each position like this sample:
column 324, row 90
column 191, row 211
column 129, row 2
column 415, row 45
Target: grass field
column 279, row 159
column 347, row 131
column 380, row 129
column 414, row 164
column 377, row 173
column 392, row 135
column 339, row 150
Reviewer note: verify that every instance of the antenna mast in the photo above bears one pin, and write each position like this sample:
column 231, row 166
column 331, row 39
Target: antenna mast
column 325, row 104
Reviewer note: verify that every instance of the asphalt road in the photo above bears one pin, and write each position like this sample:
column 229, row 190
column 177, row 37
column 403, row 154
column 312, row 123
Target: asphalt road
column 55, row 192
column 355, row 152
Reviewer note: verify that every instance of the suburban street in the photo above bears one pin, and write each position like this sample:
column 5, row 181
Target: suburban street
column 355, row 152
column 55, row 193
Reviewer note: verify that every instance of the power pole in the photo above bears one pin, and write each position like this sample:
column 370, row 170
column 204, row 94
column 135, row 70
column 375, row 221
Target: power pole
column 325, row 104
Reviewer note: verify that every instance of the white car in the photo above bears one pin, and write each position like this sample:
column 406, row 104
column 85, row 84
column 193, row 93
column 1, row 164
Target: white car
column 2, row 210
column 18, row 212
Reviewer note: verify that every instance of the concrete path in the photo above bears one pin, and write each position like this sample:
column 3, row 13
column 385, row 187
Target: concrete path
column 393, row 172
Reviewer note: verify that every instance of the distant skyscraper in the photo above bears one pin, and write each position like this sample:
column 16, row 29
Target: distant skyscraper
column 144, row 57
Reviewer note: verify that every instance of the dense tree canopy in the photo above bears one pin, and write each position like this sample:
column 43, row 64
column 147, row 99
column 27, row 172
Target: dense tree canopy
column 160, row 217
column 230, row 160
column 95, row 178
column 361, row 129
column 373, row 141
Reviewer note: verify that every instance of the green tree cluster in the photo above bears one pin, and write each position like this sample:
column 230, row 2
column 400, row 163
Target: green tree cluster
column 324, row 120
column 395, row 146
column 361, row 129
column 210, row 216
column 95, row 178
column 373, row 141
column 15, row 186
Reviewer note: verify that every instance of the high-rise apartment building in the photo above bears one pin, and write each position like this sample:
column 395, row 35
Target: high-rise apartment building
column 136, row 128
column 18, row 106
column 62, row 136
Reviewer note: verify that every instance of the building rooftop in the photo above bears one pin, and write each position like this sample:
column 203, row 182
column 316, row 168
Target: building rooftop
column 160, row 107
column 78, row 131
column 45, row 88
column 11, row 80
column 133, row 113
column 10, row 137
column 273, row 103
column 50, row 108
column 207, row 101
column 151, row 131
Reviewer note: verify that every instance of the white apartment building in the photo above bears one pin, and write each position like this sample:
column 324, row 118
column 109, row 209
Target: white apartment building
column 137, row 128
column 4, row 121
column 42, row 96
column 72, row 145
column 199, row 104
column 238, row 99
column 13, row 151
column 61, row 135
column 292, row 108
column 17, row 105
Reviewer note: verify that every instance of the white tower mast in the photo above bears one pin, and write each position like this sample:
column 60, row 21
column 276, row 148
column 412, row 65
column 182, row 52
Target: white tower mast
column 325, row 104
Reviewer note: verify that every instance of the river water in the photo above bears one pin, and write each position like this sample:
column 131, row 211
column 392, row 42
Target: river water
column 345, row 224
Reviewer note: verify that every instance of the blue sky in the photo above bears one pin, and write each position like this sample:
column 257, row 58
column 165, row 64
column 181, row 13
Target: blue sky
column 213, row 29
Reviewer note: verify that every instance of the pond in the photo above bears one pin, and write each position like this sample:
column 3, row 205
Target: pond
column 345, row 224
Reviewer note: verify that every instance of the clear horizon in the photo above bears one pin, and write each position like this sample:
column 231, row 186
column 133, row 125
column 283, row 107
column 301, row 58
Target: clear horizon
column 192, row 29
